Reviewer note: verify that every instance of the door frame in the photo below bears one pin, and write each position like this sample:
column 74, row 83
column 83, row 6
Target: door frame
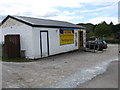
column 41, row 42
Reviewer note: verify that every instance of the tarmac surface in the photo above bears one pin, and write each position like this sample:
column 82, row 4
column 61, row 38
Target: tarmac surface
column 49, row 71
column 109, row 79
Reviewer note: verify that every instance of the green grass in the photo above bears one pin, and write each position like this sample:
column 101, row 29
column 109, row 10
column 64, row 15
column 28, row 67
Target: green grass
column 15, row 60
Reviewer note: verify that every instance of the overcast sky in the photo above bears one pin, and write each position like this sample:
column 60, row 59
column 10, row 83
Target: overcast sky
column 75, row 11
column 119, row 12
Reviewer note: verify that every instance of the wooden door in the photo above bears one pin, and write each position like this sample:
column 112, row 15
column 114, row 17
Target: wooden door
column 12, row 46
column 80, row 39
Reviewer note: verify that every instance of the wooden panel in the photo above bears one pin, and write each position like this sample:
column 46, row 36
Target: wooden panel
column 80, row 39
column 12, row 46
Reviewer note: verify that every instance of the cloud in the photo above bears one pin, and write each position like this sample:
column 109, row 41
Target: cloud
column 95, row 14
column 65, row 18
column 2, row 17
column 68, row 13
column 36, row 8
column 107, row 19
column 50, row 14
column 98, row 2
column 119, row 20
column 95, row 10
column 102, row 7
column 50, row 8
column 58, row 13
column 119, row 12
column 42, row 6
column 119, row 9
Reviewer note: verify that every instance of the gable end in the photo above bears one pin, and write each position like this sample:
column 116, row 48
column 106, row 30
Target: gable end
column 15, row 19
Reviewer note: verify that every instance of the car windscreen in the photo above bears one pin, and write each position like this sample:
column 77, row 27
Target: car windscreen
column 99, row 42
column 104, row 42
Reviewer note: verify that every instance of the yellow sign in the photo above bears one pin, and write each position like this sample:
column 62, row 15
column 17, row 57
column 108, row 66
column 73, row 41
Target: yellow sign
column 66, row 37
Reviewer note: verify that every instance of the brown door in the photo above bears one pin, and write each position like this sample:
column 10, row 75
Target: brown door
column 80, row 38
column 12, row 46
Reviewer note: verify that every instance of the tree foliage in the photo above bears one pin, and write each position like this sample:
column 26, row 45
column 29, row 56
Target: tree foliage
column 103, row 29
column 117, row 28
column 89, row 27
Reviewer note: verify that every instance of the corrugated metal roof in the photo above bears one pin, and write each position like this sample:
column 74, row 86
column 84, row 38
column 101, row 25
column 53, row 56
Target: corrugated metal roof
column 45, row 22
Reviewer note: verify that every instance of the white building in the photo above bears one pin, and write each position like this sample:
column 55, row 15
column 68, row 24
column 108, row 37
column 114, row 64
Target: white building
column 0, row 35
column 40, row 37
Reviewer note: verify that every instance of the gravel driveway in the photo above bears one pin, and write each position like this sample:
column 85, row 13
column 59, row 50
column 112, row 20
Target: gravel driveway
column 109, row 79
column 49, row 71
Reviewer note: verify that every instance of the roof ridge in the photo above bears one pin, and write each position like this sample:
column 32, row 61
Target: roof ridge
column 38, row 22
column 41, row 18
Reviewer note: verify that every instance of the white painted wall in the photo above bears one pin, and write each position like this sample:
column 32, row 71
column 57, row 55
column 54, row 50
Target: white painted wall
column 54, row 42
column 0, row 35
column 12, row 26
column 84, row 37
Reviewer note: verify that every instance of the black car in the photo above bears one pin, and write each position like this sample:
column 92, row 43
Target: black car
column 104, row 44
column 97, row 45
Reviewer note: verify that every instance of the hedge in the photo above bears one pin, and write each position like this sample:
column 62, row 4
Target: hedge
column 113, row 41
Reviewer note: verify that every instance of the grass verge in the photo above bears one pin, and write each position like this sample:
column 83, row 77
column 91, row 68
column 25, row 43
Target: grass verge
column 15, row 60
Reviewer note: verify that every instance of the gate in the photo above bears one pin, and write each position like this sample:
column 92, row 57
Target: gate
column 12, row 46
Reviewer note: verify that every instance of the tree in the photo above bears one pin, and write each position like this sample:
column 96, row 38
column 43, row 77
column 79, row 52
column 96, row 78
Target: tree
column 103, row 29
column 111, row 23
column 117, row 28
column 89, row 27
column 112, row 27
